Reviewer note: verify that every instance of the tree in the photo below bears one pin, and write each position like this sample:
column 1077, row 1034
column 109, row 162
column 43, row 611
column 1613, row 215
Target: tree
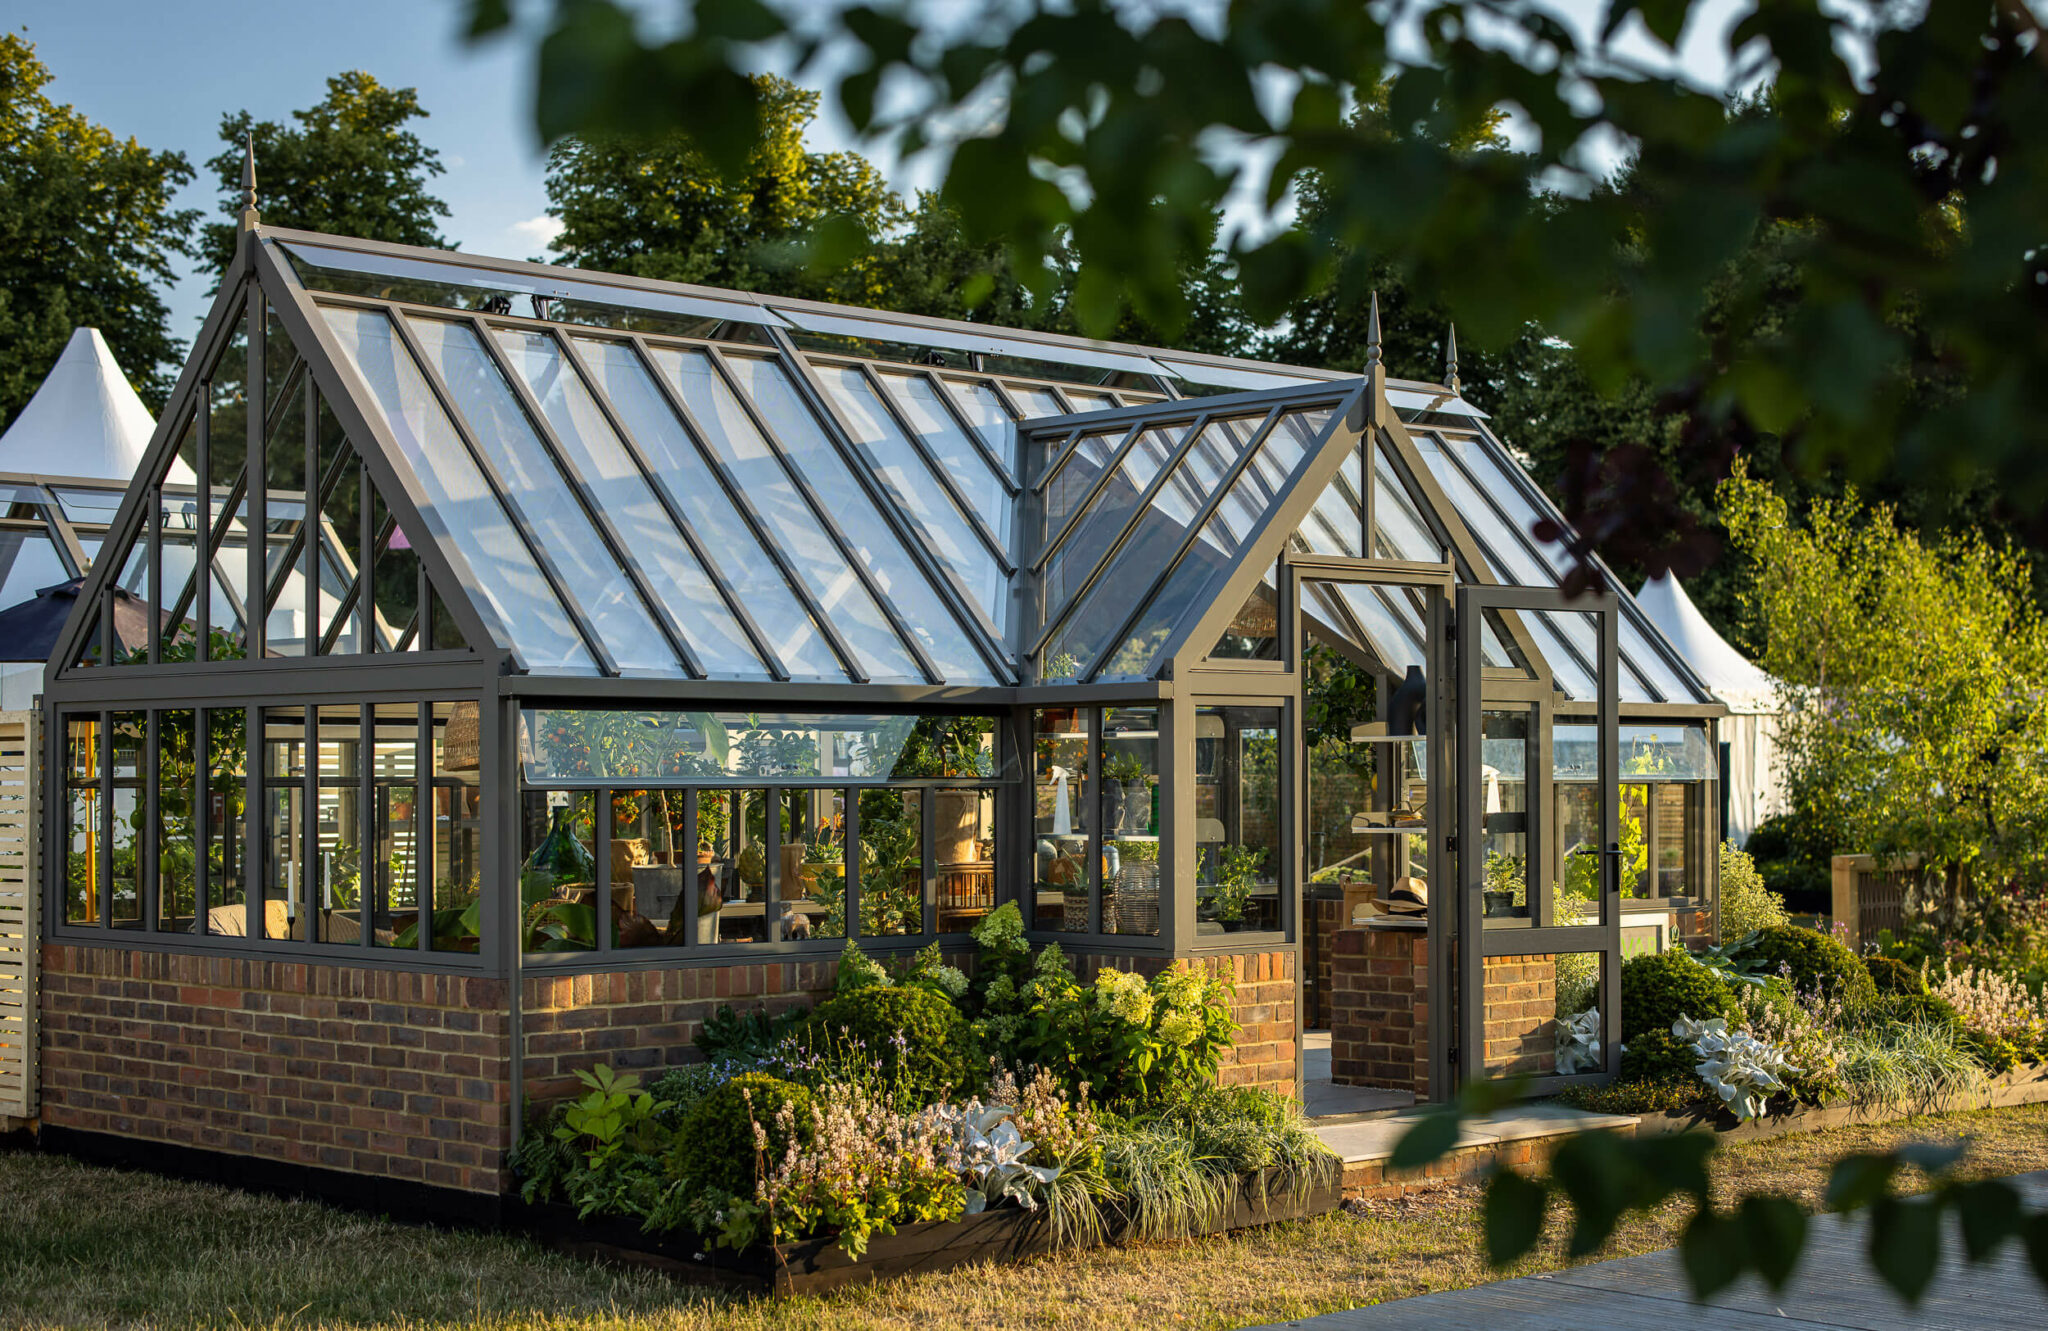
column 1911, row 183
column 350, row 166
column 1916, row 676
column 791, row 221
column 87, row 236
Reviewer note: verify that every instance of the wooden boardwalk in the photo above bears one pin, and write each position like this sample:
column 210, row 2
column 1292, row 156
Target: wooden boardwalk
column 1833, row 1287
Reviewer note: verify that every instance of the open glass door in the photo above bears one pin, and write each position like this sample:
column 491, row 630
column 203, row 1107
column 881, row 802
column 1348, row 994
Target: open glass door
column 1539, row 909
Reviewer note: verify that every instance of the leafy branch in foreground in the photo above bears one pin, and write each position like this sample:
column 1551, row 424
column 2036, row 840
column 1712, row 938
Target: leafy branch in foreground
column 1602, row 1179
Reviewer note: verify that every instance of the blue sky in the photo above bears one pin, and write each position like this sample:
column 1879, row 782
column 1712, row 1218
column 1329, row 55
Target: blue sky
column 164, row 71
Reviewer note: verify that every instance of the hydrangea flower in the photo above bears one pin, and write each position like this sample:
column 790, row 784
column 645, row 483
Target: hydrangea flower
column 1124, row 995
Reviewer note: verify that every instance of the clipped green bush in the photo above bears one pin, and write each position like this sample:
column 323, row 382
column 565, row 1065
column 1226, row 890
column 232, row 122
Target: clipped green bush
column 1658, row 1058
column 715, row 1147
column 1658, row 989
column 1914, row 1009
column 917, row 1041
column 1814, row 962
column 1892, row 976
column 1636, row 1097
column 1746, row 904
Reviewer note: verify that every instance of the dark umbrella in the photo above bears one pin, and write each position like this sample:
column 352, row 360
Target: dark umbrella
column 28, row 632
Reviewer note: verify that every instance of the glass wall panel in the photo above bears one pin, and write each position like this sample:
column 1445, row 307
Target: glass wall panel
column 622, row 493
column 284, row 824
column 891, row 835
column 284, row 513
column 693, row 486
column 586, row 746
column 591, row 575
column 964, row 858
column 1542, row 1015
column 1128, row 804
column 818, row 861
column 1238, row 820
column 336, row 894
column 914, row 487
column 1253, row 633
column 177, row 829
column 1062, row 878
column 227, row 762
column 456, row 501
column 457, row 830
column 392, row 875
column 1674, row 824
column 649, row 879
column 1507, row 743
column 394, row 583
column 129, row 733
column 340, row 540
column 558, row 870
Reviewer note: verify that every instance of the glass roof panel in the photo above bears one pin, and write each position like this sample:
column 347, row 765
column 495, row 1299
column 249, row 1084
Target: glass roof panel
column 937, row 429
column 317, row 266
column 455, row 500
column 1231, row 376
column 1110, row 509
column 693, row 486
column 1637, row 650
column 1187, row 589
column 968, row 339
column 916, row 490
column 91, row 506
column 1034, row 401
column 1334, row 526
column 590, row 573
column 1399, row 528
column 621, row 491
column 809, row 449
column 1068, row 486
column 1084, row 400
column 1391, row 623
column 983, row 407
column 795, row 527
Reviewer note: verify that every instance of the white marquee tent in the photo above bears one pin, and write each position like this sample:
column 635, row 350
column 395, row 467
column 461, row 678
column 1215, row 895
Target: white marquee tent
column 84, row 421
column 1750, row 729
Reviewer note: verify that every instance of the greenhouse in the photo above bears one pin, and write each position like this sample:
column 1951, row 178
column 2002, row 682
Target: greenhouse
column 495, row 668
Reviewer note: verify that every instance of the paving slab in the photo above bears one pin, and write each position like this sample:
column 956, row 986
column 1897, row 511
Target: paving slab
column 1833, row 1287
column 1374, row 1139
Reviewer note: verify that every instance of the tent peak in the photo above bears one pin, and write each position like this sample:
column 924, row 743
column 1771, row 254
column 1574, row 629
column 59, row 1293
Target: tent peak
column 85, row 413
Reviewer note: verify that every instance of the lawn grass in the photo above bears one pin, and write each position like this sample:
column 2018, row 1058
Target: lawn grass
column 84, row 1246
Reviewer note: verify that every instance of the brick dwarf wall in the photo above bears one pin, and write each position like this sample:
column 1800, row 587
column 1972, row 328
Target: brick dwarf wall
column 647, row 1019
column 1379, row 1014
column 380, row 1073
column 1321, row 918
column 1379, row 1029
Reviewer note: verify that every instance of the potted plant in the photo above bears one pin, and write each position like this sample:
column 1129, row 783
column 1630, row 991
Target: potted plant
column 1236, row 875
column 1126, row 791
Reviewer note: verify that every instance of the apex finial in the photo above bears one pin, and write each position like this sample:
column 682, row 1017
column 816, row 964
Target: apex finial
column 1372, row 334
column 1451, row 361
column 249, row 215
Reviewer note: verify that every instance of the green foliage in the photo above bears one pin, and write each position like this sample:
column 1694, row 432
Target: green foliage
column 1792, row 850
column 616, row 1132
column 1746, row 904
column 715, row 1149
column 727, row 1034
column 1907, row 1061
column 88, row 235
column 1639, row 1095
column 350, row 166
column 1659, row 988
column 1237, row 875
column 1891, row 976
column 1915, row 672
column 1815, row 964
column 1658, row 1058
column 1915, row 1008
column 678, row 1090
column 924, row 1049
column 857, row 970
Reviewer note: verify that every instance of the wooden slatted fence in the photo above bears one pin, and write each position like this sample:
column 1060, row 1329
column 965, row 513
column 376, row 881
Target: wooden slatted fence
column 18, row 903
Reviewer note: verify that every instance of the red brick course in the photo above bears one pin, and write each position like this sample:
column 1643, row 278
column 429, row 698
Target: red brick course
column 1379, row 1024
column 382, row 1073
column 647, row 1019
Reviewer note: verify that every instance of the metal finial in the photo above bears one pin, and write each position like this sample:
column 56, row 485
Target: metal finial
column 1372, row 334
column 1451, row 360
column 249, row 216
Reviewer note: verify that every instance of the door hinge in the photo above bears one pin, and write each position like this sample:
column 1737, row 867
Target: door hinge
column 1451, row 844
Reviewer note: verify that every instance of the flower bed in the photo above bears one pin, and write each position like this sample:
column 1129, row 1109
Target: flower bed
column 917, row 1118
column 817, row 1264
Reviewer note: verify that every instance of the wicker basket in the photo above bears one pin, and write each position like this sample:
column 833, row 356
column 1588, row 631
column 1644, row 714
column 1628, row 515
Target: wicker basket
column 1133, row 905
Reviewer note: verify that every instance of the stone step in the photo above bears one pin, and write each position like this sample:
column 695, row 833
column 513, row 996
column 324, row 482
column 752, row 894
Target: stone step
column 1520, row 1135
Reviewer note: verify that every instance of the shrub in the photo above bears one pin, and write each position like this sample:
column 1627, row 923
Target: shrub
column 1816, row 964
column 1636, row 1097
column 750, row 1036
column 1659, row 1058
column 1746, row 904
column 1658, row 989
column 1892, row 976
column 715, row 1149
column 917, row 1042
column 678, row 1090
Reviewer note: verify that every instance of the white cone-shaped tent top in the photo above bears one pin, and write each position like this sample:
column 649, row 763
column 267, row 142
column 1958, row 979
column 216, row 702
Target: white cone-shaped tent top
column 1750, row 731
column 84, row 421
